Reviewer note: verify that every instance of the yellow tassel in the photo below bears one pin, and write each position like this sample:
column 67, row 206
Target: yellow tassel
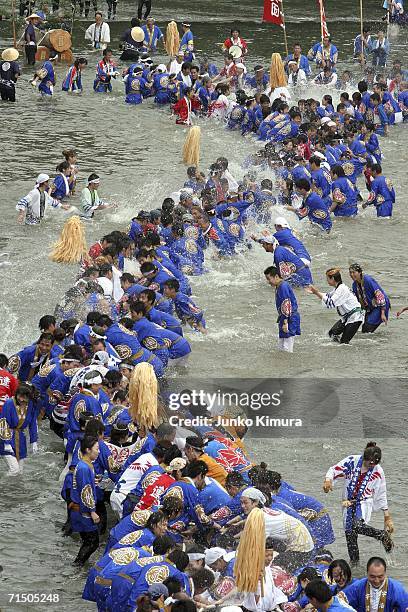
column 191, row 148
column 277, row 74
column 250, row 560
column 143, row 395
column 71, row 246
column 172, row 39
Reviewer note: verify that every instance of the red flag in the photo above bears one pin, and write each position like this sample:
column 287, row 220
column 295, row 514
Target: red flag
column 325, row 31
column 273, row 12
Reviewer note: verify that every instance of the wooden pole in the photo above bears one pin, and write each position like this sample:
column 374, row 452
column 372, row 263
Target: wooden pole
column 13, row 10
column 284, row 29
column 361, row 33
column 321, row 20
column 72, row 24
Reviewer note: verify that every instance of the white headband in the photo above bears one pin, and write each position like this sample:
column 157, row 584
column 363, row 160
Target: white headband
column 254, row 494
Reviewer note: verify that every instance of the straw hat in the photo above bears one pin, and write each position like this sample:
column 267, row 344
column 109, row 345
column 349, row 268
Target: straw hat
column 10, row 55
column 35, row 16
column 137, row 34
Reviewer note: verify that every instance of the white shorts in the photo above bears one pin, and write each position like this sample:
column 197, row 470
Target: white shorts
column 398, row 118
column 15, row 467
column 286, row 344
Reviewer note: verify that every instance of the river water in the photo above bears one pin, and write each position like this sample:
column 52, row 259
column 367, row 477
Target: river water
column 137, row 153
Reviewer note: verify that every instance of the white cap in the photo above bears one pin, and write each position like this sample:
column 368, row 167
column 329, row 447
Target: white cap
column 331, row 123
column 282, row 222
column 162, row 67
column 325, row 120
column 42, row 178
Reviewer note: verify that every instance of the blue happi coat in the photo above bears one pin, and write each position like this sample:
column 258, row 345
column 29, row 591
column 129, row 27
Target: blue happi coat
column 291, row 267
column 316, row 210
column 396, row 600
column 27, row 362
column 160, row 84
column 190, row 254
column 345, row 194
column 47, row 83
column 319, row 523
column 83, row 494
column 287, row 307
column 127, row 345
column 129, row 584
column 321, row 182
column 85, row 401
column 213, row 496
column 187, row 311
column 14, row 422
column 134, row 87
column 165, row 320
column 372, row 298
column 111, row 562
column 382, row 196
column 149, row 337
column 286, row 239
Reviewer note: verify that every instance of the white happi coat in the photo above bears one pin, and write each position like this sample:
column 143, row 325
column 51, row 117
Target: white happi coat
column 374, row 497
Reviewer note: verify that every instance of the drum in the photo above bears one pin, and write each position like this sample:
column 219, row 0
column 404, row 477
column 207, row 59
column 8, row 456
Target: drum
column 235, row 51
column 60, row 40
column 66, row 56
column 42, row 54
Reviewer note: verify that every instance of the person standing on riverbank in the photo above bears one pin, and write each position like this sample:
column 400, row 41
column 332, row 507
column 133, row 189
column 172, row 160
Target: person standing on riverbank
column 98, row 33
column 148, row 7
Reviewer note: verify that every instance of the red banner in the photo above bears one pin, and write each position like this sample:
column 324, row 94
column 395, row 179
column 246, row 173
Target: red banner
column 324, row 30
column 273, row 12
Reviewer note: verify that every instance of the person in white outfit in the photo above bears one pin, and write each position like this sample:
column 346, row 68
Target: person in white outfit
column 348, row 307
column 33, row 207
column 364, row 492
column 98, row 33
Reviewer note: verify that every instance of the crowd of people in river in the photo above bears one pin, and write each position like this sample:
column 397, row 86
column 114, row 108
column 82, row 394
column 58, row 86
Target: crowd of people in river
column 182, row 503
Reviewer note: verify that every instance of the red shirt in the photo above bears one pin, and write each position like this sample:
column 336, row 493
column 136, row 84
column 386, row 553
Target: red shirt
column 8, row 386
column 240, row 42
column 95, row 250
